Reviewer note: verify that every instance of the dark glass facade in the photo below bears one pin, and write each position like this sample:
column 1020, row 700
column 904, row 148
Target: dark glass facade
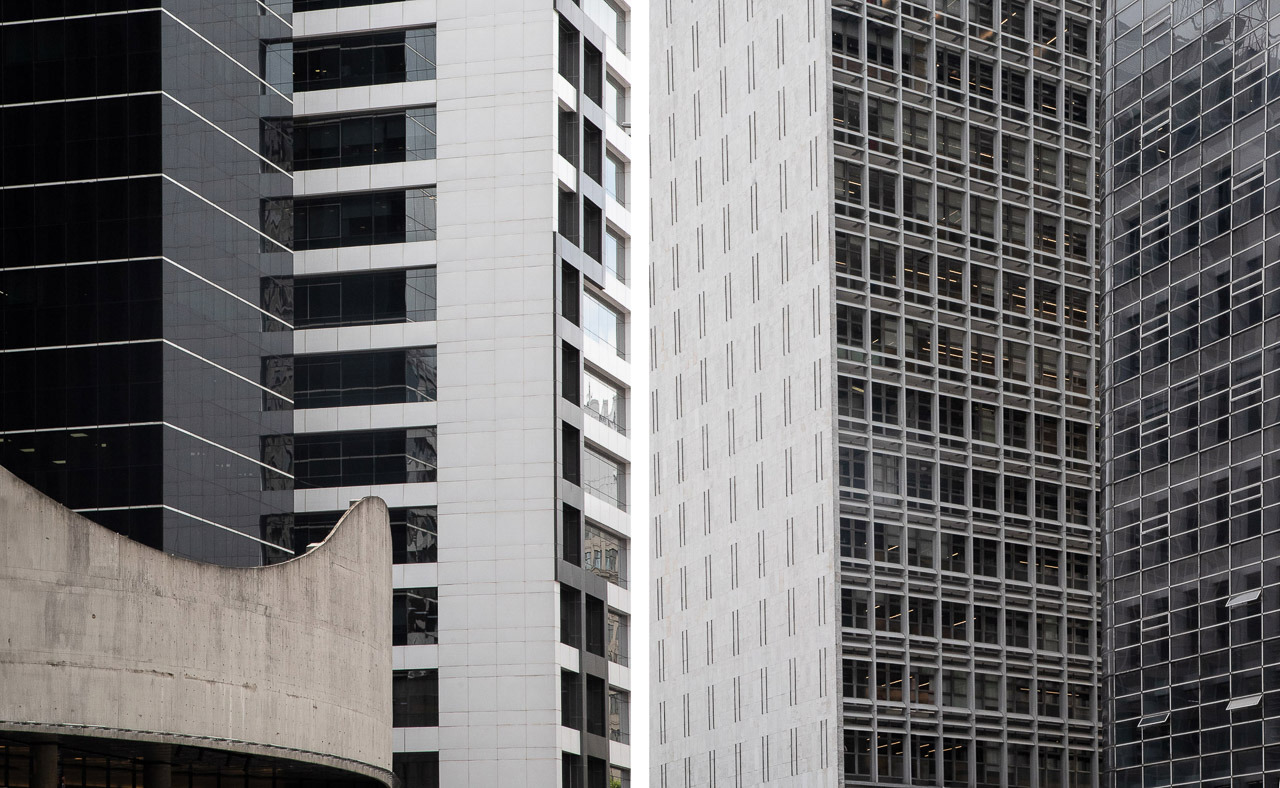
column 131, row 266
column 1192, row 394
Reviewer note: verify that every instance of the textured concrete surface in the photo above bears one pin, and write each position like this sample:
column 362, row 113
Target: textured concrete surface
column 100, row 631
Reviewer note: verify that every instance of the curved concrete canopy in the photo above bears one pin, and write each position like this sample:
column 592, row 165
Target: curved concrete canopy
column 103, row 636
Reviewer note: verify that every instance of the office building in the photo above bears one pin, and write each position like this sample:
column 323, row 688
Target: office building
column 874, row 421
column 431, row 216
column 131, row 262
column 1191, row 386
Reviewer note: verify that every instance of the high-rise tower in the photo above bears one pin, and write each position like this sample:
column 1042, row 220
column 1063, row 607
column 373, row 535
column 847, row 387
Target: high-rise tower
column 131, row 323
column 873, row 400
column 1192, row 394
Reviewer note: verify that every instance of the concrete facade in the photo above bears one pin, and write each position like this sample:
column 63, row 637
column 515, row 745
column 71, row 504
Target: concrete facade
column 105, row 637
column 509, row 186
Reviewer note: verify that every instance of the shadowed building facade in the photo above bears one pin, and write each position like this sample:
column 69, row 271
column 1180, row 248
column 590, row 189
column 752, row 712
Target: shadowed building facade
column 131, row 330
column 1192, row 388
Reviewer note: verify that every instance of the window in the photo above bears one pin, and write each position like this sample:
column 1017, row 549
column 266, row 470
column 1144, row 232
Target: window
column 888, row 543
column 619, row 715
column 852, row 398
column 344, row 459
column 615, row 102
column 853, row 538
column 617, row 644
column 853, row 608
column 955, row 688
column 888, row 613
column 339, row 220
column 615, row 255
column 316, row 5
column 615, row 178
column 604, row 476
column 407, row 295
column 886, row 474
column 884, row 403
column 603, row 322
column 356, row 61
column 604, row 554
column 415, row 620
column 922, row 617
column 1017, row 629
column 856, row 679
column 604, row 400
column 408, row 135
column 417, row 769
column 920, row 548
column 955, row 620
column 375, row 378
column 853, row 468
column 920, row 479
column 413, row 532
column 415, row 698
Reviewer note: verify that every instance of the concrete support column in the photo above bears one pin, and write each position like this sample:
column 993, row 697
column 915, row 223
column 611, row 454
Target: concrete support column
column 44, row 765
column 157, row 772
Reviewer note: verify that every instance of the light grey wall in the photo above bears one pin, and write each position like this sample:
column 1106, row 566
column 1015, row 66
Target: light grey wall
column 744, row 655
column 99, row 630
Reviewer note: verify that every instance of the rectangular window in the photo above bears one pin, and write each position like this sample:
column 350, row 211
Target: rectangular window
column 619, row 715
column 357, row 61
column 417, row 769
column 856, row 679
column 366, row 298
column 388, row 217
column 853, row 608
column 853, row 468
column 604, row 476
column 617, row 643
column 415, row 620
column 853, row 538
column 615, row 178
column 615, row 254
column 344, row 459
column 615, row 102
column 375, row 378
column 852, row 397
column 604, row 554
column 604, row 400
column 406, row 135
column 922, row 617
column 603, row 322
column 415, row 698
column 413, row 532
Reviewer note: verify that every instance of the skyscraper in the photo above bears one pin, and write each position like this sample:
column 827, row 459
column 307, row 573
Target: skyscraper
column 416, row 226
column 1192, row 382
column 131, row 263
column 461, row 223
column 873, row 295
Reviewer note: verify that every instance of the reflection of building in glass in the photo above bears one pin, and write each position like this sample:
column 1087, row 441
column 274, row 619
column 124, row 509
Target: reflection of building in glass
column 873, row 401
column 1191, row 393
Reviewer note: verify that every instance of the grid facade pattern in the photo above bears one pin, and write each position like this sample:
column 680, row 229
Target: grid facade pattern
column 964, row 265
column 1192, row 675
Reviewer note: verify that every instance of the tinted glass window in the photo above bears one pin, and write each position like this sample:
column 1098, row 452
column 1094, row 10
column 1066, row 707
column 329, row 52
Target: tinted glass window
column 376, row 139
column 356, row 61
column 377, row 378
column 341, row 459
column 364, row 219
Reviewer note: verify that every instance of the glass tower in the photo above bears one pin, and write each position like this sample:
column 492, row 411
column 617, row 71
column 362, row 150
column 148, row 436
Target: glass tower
column 1192, row 507
column 131, row 324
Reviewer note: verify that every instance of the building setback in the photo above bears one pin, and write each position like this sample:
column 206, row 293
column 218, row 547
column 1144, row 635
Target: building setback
column 873, row 294
column 390, row 247
column 1192, row 395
